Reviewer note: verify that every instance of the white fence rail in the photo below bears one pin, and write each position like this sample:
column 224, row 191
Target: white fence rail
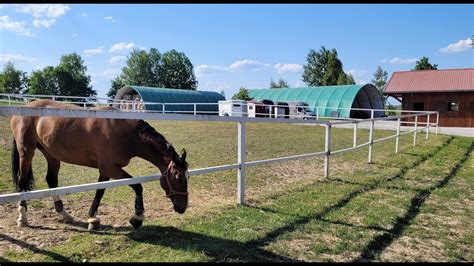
column 241, row 164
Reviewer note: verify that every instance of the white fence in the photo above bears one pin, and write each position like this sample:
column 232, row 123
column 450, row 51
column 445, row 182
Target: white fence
column 241, row 164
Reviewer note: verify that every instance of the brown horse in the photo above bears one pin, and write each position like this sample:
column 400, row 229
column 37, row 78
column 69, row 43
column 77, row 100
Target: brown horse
column 102, row 143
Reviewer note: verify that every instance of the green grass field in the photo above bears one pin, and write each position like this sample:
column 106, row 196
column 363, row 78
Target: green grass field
column 417, row 205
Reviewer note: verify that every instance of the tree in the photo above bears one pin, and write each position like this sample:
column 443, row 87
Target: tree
column 117, row 84
column 153, row 69
column 138, row 71
column 281, row 84
column 176, row 71
column 12, row 80
column 324, row 68
column 72, row 77
column 379, row 81
column 423, row 64
column 43, row 82
column 242, row 94
column 345, row 79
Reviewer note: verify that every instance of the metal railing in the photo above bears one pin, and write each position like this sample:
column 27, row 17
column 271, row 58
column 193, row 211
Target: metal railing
column 241, row 164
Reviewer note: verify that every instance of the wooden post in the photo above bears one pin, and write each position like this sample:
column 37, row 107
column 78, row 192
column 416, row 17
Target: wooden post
column 371, row 139
column 241, row 162
column 327, row 149
column 355, row 134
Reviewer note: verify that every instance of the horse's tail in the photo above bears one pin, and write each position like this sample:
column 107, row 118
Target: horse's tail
column 28, row 183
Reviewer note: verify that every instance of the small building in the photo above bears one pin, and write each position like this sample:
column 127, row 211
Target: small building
column 329, row 101
column 448, row 91
column 175, row 100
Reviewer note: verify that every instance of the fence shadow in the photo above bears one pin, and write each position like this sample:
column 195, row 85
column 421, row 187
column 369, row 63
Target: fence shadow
column 34, row 248
column 381, row 242
column 271, row 236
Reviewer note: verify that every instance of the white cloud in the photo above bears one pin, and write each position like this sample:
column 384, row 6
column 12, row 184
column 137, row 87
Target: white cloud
column 288, row 68
column 43, row 22
column 123, row 47
column 16, row 58
column 247, row 65
column 84, row 14
column 117, row 59
column 43, row 10
column 458, row 47
column 74, row 35
column 6, row 23
column 203, row 70
column 110, row 18
column 400, row 61
column 94, row 51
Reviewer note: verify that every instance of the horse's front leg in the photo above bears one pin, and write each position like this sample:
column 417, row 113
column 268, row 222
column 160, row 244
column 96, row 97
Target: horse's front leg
column 94, row 220
column 137, row 220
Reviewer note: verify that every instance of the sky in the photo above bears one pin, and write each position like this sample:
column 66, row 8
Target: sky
column 238, row 45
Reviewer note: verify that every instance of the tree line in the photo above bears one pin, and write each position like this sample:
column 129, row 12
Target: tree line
column 324, row 68
column 171, row 69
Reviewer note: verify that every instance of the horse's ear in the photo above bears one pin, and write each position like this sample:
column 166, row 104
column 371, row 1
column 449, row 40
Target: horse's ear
column 183, row 154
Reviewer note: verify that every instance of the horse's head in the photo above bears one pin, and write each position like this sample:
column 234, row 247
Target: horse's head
column 175, row 181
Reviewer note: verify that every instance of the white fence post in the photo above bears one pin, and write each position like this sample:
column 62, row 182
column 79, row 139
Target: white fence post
column 163, row 106
column 317, row 113
column 241, row 162
column 397, row 140
column 428, row 126
column 372, row 114
column 437, row 123
column 416, row 128
column 371, row 139
column 327, row 149
column 9, row 100
column 355, row 134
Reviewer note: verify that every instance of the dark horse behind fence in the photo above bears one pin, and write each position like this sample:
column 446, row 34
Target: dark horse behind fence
column 102, row 143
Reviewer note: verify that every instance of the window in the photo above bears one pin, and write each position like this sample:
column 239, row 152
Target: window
column 418, row 106
column 251, row 107
column 236, row 105
column 453, row 106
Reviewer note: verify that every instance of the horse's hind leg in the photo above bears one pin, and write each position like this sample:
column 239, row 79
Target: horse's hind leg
column 52, row 180
column 25, row 176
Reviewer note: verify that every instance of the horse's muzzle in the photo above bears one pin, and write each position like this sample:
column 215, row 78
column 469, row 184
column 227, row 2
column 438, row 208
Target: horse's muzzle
column 179, row 210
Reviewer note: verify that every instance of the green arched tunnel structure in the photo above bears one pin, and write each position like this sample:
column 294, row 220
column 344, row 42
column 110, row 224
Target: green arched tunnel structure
column 165, row 95
column 329, row 99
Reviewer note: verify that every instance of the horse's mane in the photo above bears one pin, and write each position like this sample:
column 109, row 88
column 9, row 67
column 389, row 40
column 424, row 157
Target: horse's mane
column 149, row 135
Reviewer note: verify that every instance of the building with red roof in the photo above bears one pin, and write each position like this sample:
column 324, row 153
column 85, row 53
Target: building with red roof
column 448, row 91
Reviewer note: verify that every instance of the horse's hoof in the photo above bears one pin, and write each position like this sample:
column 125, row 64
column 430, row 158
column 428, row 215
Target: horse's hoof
column 95, row 226
column 136, row 223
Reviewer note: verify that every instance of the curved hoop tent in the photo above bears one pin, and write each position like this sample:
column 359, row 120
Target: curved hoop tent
column 329, row 99
column 164, row 95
